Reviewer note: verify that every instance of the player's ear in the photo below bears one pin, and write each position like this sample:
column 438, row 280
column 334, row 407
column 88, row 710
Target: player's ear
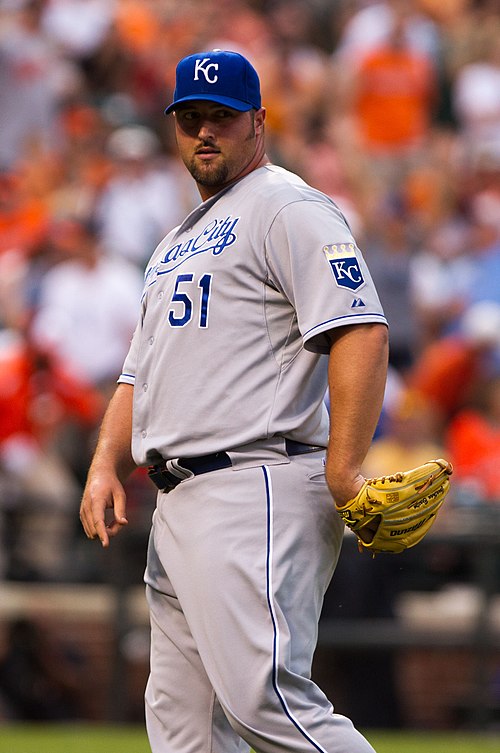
column 259, row 118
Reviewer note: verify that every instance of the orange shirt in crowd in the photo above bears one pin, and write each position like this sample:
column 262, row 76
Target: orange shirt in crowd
column 37, row 394
column 394, row 94
column 137, row 25
column 474, row 447
column 23, row 227
column 446, row 372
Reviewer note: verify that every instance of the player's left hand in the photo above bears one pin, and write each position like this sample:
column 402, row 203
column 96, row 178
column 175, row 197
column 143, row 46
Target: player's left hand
column 343, row 486
column 394, row 512
column 343, row 492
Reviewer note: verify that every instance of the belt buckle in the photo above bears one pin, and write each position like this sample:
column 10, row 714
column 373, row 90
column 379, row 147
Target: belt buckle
column 162, row 478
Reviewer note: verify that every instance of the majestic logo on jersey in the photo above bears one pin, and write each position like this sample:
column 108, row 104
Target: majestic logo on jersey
column 344, row 265
column 202, row 67
column 214, row 238
column 357, row 303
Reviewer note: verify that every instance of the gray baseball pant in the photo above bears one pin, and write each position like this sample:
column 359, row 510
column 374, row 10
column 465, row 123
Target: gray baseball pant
column 238, row 565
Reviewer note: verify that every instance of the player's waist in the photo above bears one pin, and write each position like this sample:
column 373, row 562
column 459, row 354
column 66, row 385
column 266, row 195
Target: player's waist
column 168, row 474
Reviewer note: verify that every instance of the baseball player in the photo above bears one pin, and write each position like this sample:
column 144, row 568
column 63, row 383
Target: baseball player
column 250, row 307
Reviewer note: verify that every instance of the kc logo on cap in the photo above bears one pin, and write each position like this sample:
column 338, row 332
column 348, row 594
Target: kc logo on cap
column 219, row 76
column 204, row 66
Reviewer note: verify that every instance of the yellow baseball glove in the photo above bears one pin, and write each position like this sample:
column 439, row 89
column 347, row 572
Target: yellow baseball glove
column 393, row 513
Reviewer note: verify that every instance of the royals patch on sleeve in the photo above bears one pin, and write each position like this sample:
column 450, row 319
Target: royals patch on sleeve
column 344, row 265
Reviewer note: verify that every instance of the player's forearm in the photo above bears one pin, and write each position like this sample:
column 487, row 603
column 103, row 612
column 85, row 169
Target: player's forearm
column 113, row 451
column 357, row 374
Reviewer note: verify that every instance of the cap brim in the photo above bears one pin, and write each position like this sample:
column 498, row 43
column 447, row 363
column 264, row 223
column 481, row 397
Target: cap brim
column 234, row 104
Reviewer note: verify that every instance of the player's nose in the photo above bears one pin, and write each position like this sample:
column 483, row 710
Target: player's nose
column 206, row 130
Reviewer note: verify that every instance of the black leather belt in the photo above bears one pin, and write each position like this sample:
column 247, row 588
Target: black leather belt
column 165, row 480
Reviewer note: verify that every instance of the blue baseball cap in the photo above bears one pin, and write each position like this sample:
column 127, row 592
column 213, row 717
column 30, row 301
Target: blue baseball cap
column 217, row 76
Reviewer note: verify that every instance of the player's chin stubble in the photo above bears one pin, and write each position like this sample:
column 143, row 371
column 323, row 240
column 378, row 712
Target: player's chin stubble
column 210, row 175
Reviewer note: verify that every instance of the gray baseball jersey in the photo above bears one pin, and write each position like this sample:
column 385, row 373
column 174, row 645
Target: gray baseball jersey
column 236, row 304
column 228, row 356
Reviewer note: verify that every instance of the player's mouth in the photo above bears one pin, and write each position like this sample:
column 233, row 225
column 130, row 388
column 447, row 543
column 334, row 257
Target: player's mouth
column 207, row 152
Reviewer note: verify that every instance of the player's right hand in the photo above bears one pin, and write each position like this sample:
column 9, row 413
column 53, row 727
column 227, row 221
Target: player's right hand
column 103, row 492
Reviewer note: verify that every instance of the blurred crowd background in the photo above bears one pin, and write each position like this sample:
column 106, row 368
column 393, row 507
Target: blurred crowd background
column 390, row 107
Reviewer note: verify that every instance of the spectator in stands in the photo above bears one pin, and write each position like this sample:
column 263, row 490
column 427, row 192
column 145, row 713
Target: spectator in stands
column 389, row 252
column 370, row 25
column 146, row 195
column 449, row 369
column 476, row 100
column 295, row 71
column 390, row 96
column 23, row 217
column 33, row 78
column 39, row 489
column 440, row 274
column 484, row 240
column 88, row 304
column 473, row 442
column 78, row 27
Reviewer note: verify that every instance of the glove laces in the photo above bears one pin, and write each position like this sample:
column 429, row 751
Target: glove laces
column 393, row 478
